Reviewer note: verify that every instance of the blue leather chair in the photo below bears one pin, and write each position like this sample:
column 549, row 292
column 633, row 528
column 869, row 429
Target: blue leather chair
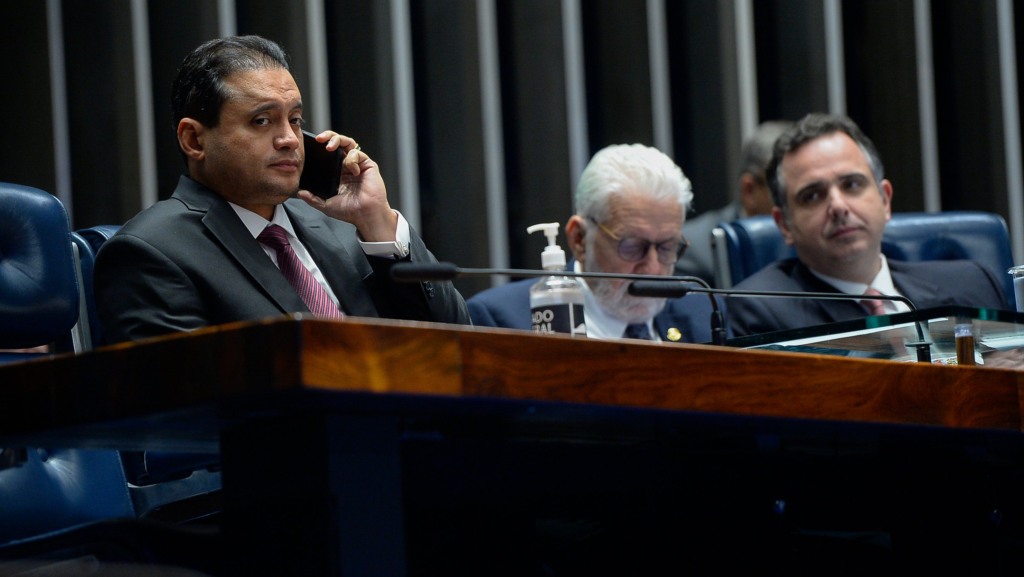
column 40, row 286
column 99, row 234
column 160, row 483
column 744, row 246
column 65, row 503
column 88, row 242
column 40, row 301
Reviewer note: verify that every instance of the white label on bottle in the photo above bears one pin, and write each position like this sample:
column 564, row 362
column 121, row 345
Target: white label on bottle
column 564, row 318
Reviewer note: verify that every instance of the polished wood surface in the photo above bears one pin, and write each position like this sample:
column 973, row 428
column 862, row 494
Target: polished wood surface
column 177, row 376
column 452, row 442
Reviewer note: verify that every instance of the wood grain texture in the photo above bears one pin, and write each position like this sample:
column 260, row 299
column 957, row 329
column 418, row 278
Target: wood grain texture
column 713, row 379
column 247, row 362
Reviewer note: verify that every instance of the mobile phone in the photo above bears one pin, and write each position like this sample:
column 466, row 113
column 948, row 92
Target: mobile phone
column 321, row 173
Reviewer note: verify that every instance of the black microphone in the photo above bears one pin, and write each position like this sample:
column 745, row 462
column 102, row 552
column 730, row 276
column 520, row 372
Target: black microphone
column 669, row 288
column 418, row 272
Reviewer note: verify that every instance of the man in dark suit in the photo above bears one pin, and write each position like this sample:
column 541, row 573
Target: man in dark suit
column 832, row 202
column 631, row 202
column 233, row 242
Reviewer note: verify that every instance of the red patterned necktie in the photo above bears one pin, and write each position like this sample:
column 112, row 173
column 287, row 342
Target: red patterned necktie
column 873, row 306
column 310, row 291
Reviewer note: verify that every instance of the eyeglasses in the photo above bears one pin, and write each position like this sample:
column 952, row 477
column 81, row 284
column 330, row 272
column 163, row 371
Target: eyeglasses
column 634, row 249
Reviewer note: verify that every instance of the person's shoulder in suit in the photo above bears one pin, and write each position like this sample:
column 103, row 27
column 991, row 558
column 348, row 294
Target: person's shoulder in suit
column 962, row 282
column 777, row 276
column 748, row 316
column 505, row 306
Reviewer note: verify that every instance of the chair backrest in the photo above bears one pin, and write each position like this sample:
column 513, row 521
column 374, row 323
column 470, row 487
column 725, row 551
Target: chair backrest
column 40, row 286
column 41, row 299
column 98, row 234
column 89, row 241
column 744, row 246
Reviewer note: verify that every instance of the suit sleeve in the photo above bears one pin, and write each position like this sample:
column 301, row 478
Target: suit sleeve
column 433, row 301
column 144, row 294
column 995, row 295
column 746, row 316
column 481, row 314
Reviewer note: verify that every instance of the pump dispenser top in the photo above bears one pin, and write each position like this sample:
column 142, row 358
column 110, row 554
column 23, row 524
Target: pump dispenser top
column 553, row 257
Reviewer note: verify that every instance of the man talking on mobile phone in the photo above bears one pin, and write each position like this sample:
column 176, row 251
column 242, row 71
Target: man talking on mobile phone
column 238, row 240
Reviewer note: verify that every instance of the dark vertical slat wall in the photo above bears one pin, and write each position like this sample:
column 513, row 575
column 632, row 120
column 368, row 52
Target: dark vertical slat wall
column 26, row 156
column 167, row 51
column 884, row 99
column 103, row 129
column 972, row 164
column 880, row 64
column 538, row 183
column 699, row 101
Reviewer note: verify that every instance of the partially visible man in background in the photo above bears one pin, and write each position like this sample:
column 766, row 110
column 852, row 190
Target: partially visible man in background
column 750, row 198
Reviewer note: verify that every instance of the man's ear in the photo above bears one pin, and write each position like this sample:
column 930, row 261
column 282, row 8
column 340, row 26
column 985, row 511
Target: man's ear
column 575, row 230
column 190, row 138
column 886, row 190
column 780, row 221
column 748, row 192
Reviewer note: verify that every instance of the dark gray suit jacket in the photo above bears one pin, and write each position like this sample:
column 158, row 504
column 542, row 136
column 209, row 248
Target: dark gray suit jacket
column 189, row 262
column 927, row 284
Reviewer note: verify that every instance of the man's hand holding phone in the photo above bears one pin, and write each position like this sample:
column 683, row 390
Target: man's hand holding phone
column 341, row 180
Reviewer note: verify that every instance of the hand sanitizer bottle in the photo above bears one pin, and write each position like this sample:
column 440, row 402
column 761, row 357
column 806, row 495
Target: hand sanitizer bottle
column 556, row 301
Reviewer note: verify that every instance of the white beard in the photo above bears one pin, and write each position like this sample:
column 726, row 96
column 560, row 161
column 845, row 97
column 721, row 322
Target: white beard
column 618, row 303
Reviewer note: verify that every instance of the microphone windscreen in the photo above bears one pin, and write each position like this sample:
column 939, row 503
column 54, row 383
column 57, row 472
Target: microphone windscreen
column 658, row 288
column 416, row 272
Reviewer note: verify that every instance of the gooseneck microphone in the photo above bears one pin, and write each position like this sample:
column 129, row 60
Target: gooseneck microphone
column 670, row 288
column 418, row 272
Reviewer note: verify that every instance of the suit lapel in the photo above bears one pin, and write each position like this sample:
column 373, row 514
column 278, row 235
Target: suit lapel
column 337, row 263
column 829, row 310
column 225, row 226
column 664, row 322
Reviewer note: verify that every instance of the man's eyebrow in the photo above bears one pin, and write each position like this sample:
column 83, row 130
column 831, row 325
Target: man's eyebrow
column 855, row 174
column 842, row 177
column 813, row 185
column 268, row 106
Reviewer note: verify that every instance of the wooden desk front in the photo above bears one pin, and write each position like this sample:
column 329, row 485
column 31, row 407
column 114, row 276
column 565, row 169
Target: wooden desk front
column 352, row 394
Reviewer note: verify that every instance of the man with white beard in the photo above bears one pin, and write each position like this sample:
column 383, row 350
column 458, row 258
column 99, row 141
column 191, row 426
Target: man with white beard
column 631, row 203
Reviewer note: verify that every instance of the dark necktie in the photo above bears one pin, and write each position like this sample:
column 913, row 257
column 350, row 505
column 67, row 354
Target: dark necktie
column 310, row 291
column 637, row 331
column 874, row 307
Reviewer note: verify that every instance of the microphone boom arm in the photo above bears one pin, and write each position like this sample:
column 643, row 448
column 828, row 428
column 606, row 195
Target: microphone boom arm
column 446, row 271
column 667, row 288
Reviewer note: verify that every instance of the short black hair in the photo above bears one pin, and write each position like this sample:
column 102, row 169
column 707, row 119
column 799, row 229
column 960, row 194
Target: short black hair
column 198, row 91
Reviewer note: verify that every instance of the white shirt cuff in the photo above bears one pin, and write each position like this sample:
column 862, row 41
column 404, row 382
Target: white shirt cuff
column 397, row 249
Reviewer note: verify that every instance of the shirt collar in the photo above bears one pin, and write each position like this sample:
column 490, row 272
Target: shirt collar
column 882, row 283
column 255, row 223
